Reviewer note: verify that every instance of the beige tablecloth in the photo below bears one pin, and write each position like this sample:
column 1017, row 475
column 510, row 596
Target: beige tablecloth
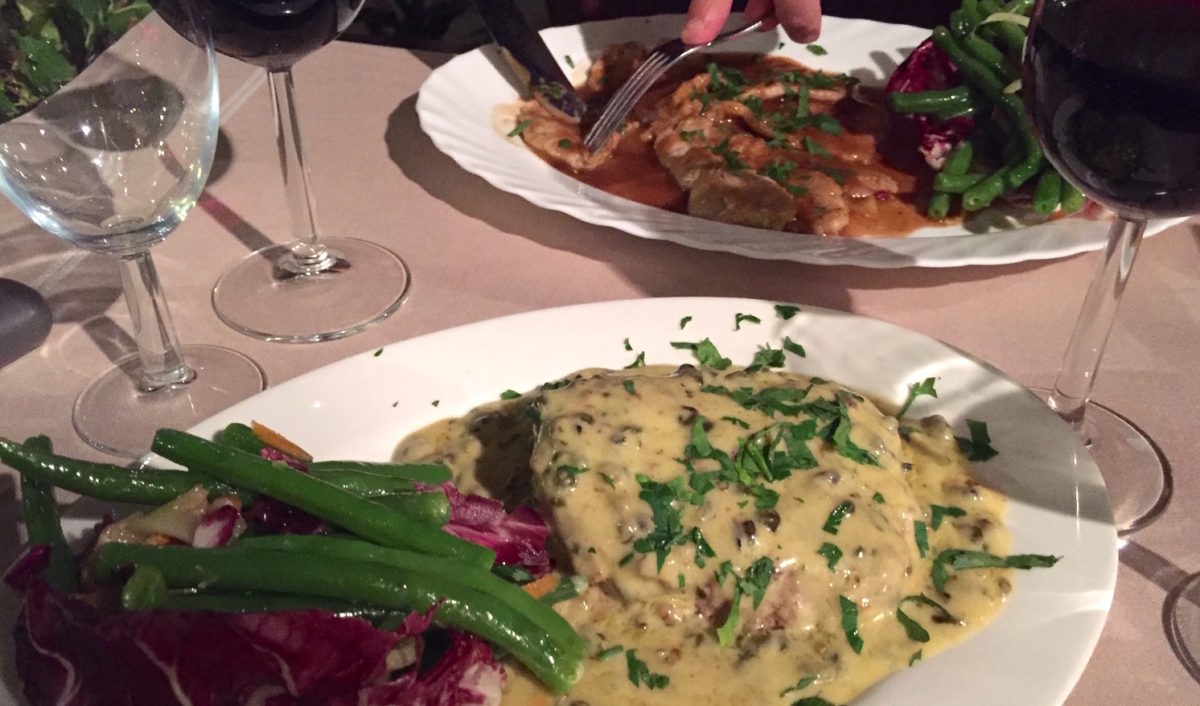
column 476, row 253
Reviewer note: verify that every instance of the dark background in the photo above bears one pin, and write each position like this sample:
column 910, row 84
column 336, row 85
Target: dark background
column 454, row 25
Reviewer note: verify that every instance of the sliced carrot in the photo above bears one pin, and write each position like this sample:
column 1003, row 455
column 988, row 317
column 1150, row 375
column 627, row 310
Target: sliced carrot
column 270, row 437
column 540, row 587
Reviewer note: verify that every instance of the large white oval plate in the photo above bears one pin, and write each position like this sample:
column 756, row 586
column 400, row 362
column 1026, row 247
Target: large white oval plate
column 1032, row 654
column 457, row 107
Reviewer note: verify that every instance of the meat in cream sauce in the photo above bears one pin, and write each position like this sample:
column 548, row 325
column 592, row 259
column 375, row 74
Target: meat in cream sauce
column 677, row 492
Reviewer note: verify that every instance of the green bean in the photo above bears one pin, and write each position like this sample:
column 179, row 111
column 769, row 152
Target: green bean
column 483, row 581
column 955, row 183
column 246, row 602
column 960, row 23
column 990, row 56
column 44, row 527
column 145, row 589
column 971, row 9
column 431, row 508
column 939, row 205
column 956, row 167
column 975, row 73
column 1072, row 198
column 988, row 189
column 356, row 581
column 569, row 587
column 358, row 515
column 929, row 101
column 429, row 473
column 960, row 159
column 103, row 481
column 364, row 484
column 1011, row 35
column 1048, row 192
column 241, row 436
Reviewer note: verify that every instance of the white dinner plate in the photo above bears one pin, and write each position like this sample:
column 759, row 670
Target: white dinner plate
column 461, row 108
column 1033, row 652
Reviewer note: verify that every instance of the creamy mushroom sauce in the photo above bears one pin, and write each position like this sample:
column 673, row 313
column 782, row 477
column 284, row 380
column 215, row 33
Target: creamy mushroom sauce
column 583, row 450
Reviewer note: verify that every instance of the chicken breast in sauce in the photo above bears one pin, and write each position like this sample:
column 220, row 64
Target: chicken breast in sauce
column 766, row 142
column 748, row 536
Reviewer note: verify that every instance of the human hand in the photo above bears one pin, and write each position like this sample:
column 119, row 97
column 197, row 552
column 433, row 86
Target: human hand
column 800, row 19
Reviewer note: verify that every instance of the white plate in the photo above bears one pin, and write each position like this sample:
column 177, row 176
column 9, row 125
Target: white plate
column 457, row 107
column 1031, row 654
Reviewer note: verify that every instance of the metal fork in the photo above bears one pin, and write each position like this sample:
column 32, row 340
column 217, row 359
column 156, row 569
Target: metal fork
column 662, row 58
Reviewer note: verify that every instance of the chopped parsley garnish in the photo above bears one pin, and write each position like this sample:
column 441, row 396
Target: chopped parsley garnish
column 878, row 497
column 550, row 89
column 814, row 147
column 733, row 160
column 812, row 701
column 608, row 479
column 850, row 623
column 767, row 357
column 925, row 387
column 571, row 470
column 816, row 49
column 739, row 319
column 839, row 513
column 628, row 385
column 509, row 395
column 912, row 628
column 792, row 347
column 778, row 170
column 786, row 311
column 916, row 657
column 570, row 62
column 628, row 346
column 684, row 322
column 638, row 362
column 706, row 352
column 378, row 352
column 839, row 433
column 689, row 135
column 682, row 581
column 435, row 403
column 726, row 82
column 753, row 583
column 640, row 674
column 609, row 652
column 737, row 422
column 668, row 519
column 564, row 144
column 962, row 559
column 937, row 512
column 804, row 683
column 831, row 552
column 625, row 559
column 754, row 103
column 979, row 446
column 921, row 536
column 520, row 128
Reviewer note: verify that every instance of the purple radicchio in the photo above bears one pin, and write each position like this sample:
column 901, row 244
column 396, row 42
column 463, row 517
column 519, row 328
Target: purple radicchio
column 70, row 653
column 928, row 68
column 518, row 538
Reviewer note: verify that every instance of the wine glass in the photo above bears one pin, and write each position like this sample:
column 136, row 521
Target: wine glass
column 1113, row 88
column 313, row 288
column 113, row 161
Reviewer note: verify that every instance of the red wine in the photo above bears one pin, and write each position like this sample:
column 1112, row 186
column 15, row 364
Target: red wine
column 277, row 33
column 1113, row 87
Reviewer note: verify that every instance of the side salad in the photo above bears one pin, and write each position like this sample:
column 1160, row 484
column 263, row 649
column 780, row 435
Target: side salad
column 258, row 575
column 961, row 91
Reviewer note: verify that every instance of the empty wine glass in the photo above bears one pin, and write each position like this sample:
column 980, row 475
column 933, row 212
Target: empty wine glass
column 313, row 288
column 113, row 161
column 1113, row 88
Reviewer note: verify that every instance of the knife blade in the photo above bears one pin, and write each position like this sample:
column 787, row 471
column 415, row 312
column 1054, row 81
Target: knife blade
column 530, row 58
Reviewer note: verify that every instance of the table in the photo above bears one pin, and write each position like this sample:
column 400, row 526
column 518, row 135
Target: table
column 477, row 253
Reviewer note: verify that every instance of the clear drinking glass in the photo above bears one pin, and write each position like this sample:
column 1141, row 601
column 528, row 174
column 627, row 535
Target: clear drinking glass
column 113, row 161
column 1113, row 88
column 314, row 288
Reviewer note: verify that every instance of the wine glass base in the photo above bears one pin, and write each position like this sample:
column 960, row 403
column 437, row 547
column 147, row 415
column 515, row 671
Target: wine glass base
column 1183, row 624
column 260, row 299
column 114, row 415
column 1135, row 471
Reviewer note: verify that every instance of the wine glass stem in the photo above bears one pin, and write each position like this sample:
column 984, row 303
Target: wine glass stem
column 309, row 256
column 1073, row 386
column 158, row 346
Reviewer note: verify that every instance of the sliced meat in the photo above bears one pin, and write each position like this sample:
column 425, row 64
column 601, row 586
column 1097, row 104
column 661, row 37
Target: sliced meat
column 559, row 140
column 742, row 198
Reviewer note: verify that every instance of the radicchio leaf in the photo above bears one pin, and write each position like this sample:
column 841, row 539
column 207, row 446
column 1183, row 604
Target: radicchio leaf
column 518, row 538
column 270, row 516
column 72, row 654
column 27, row 567
column 928, row 68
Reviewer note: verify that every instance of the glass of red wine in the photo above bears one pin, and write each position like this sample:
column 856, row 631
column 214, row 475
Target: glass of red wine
column 312, row 288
